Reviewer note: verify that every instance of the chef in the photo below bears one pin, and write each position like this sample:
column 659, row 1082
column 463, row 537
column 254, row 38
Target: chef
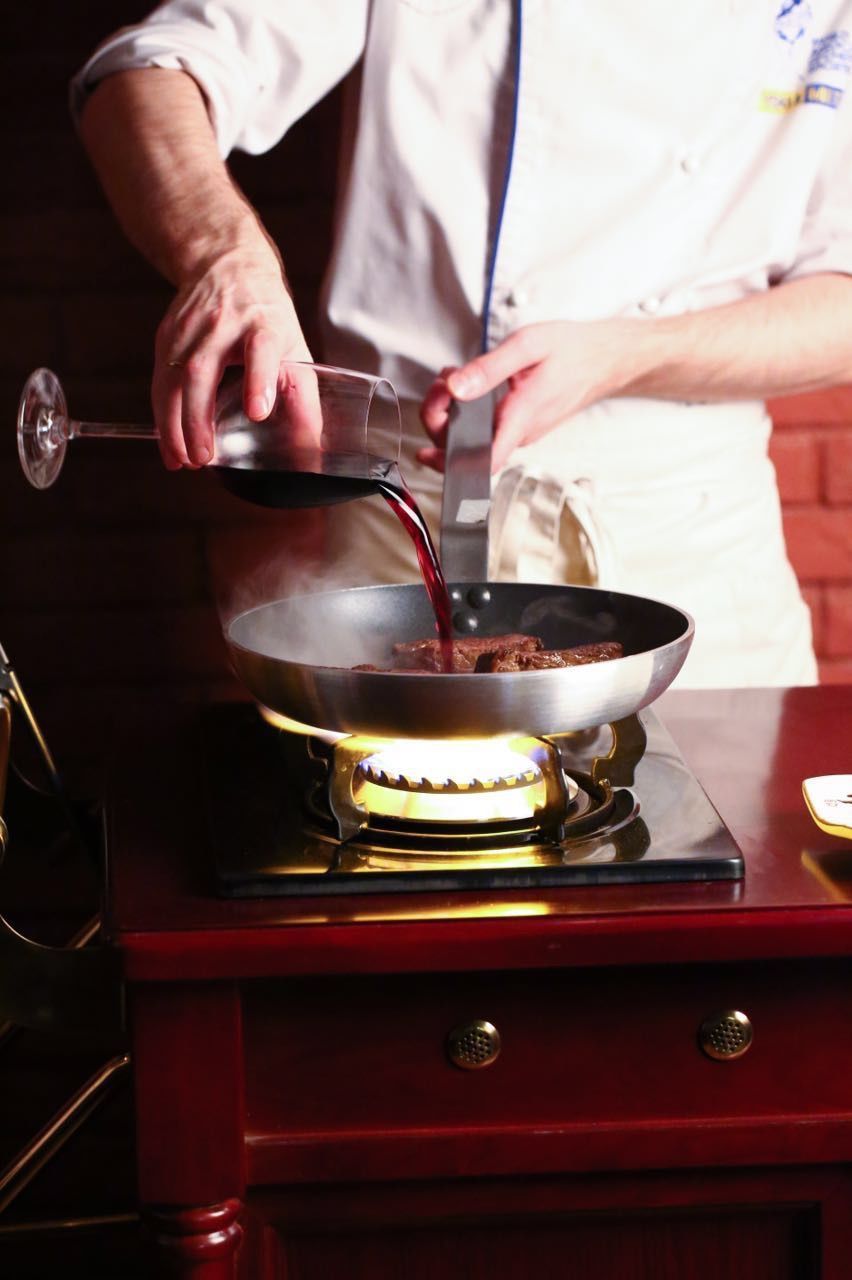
column 631, row 222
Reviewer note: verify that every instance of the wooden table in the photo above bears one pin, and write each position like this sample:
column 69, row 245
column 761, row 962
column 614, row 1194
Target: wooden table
column 293, row 1089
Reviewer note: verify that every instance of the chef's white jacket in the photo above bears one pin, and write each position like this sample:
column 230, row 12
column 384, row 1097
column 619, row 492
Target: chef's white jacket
column 519, row 162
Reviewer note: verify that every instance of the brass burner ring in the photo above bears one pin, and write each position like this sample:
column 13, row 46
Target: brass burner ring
column 525, row 776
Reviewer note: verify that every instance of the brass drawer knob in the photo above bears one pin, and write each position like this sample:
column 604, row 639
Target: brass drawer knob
column 726, row 1035
column 473, row 1045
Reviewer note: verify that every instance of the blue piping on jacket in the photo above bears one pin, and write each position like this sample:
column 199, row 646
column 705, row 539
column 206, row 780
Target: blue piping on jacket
column 492, row 265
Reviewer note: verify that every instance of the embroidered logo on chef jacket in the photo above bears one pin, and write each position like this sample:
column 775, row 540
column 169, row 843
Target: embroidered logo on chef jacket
column 824, row 95
column 780, row 101
column 831, row 55
column 832, row 52
column 793, row 20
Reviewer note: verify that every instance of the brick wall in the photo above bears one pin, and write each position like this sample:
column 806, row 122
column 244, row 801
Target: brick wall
column 812, row 451
column 104, row 581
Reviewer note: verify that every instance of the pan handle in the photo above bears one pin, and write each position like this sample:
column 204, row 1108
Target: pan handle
column 467, row 491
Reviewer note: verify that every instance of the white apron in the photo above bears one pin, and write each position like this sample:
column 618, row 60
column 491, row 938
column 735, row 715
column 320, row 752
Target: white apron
column 674, row 502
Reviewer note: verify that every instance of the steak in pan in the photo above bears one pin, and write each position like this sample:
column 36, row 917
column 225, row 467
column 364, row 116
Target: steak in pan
column 483, row 654
column 512, row 659
column 425, row 655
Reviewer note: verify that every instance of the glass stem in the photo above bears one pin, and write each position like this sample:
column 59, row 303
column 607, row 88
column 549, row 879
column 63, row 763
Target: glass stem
column 110, row 430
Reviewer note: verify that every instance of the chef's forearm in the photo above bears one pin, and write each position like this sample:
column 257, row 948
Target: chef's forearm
column 150, row 140
column 793, row 338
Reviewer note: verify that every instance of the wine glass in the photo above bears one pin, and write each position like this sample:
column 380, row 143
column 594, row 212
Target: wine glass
column 332, row 434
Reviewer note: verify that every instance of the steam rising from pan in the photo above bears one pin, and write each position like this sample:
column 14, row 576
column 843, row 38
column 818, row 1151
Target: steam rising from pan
column 307, row 629
column 283, row 559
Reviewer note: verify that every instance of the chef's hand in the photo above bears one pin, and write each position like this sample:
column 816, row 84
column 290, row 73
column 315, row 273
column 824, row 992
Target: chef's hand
column 235, row 310
column 553, row 370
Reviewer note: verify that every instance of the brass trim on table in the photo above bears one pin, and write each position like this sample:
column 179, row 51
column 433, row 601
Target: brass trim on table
column 41, row 1148
column 15, row 1230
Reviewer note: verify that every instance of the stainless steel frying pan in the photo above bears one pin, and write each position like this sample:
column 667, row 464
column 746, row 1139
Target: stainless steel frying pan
column 295, row 655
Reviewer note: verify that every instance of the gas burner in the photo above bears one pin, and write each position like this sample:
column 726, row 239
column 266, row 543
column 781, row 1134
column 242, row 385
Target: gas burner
column 386, row 841
column 456, row 786
column 390, row 769
column 293, row 814
column 452, row 786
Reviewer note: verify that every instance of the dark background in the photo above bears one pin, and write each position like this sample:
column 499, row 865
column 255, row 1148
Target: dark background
column 105, row 579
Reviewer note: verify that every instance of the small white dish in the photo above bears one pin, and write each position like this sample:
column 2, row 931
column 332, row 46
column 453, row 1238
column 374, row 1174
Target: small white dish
column 829, row 800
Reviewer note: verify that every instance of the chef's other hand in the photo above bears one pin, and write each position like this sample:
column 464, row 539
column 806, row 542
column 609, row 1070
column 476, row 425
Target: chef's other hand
column 236, row 310
column 553, row 370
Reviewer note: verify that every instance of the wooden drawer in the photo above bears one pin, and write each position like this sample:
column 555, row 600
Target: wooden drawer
column 591, row 1054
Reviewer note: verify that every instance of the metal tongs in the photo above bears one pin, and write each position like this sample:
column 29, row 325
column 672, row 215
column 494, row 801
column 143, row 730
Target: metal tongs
column 467, row 491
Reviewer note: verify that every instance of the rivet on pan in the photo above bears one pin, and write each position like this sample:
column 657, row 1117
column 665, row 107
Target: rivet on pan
column 478, row 597
column 464, row 621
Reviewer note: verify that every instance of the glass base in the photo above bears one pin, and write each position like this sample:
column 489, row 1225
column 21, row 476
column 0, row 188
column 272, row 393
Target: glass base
column 41, row 446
